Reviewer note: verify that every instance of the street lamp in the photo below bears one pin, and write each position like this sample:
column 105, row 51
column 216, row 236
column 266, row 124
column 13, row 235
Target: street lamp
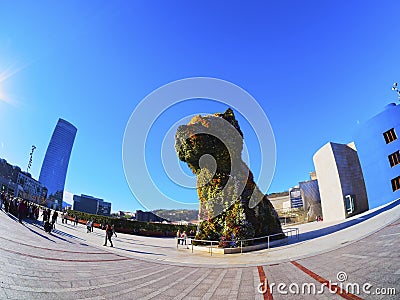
column 30, row 158
column 394, row 88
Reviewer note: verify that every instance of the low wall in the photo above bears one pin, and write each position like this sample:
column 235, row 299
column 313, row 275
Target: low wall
column 217, row 250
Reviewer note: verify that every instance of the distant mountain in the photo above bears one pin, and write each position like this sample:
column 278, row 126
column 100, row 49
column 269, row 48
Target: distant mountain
column 280, row 194
column 177, row 214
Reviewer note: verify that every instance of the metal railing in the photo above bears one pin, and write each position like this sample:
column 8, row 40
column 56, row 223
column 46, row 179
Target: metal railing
column 287, row 231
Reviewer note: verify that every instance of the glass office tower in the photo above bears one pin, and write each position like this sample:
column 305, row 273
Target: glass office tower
column 55, row 163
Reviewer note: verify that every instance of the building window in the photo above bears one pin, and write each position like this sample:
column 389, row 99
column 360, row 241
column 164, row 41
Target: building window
column 396, row 183
column 349, row 201
column 394, row 158
column 390, row 136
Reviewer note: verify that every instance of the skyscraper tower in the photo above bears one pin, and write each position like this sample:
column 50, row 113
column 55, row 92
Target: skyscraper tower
column 55, row 163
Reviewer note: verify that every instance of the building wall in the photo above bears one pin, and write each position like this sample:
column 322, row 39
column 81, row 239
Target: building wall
column 91, row 205
column 373, row 153
column 33, row 190
column 148, row 216
column 8, row 171
column 85, row 204
column 9, row 177
column 55, row 163
column 312, row 199
column 339, row 174
column 20, row 184
column 104, row 208
column 280, row 203
column 296, row 200
column 9, row 187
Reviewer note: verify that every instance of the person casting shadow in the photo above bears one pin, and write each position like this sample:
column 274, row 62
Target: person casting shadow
column 109, row 233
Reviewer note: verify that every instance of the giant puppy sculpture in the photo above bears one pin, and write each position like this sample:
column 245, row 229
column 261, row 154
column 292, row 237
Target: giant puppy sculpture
column 231, row 205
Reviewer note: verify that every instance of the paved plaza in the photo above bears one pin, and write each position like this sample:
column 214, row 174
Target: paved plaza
column 72, row 264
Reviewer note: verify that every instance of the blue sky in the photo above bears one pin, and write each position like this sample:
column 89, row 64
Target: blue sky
column 317, row 69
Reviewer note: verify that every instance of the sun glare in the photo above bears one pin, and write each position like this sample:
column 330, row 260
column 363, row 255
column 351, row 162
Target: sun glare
column 3, row 96
column 6, row 74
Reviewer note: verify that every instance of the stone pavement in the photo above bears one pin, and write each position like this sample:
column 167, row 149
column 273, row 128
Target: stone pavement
column 73, row 264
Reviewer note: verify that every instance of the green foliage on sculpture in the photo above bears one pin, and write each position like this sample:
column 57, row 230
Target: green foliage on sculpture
column 232, row 207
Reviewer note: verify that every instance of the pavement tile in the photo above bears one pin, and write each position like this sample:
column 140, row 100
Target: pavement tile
column 70, row 264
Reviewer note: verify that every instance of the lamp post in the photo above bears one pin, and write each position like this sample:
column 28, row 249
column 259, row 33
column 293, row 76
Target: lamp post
column 394, row 88
column 30, row 158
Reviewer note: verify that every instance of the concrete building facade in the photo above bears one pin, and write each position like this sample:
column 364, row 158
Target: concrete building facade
column 280, row 201
column 340, row 180
column 378, row 146
column 18, row 183
column 8, row 178
column 31, row 189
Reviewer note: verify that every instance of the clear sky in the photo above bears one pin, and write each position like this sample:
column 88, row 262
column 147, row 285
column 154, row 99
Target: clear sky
column 317, row 68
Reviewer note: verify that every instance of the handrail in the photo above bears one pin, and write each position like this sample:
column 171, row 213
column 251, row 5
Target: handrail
column 286, row 231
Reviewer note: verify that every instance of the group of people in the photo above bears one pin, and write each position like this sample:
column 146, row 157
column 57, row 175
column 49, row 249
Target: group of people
column 109, row 229
column 24, row 209
column 64, row 217
column 18, row 207
column 89, row 226
column 49, row 220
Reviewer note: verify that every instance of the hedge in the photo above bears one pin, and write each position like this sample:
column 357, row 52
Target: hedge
column 124, row 225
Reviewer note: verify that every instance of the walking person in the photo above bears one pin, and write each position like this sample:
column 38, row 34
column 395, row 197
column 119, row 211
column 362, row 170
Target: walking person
column 45, row 216
column 66, row 217
column 11, row 207
column 46, row 220
column 183, row 237
column 54, row 219
column 49, row 215
column 89, row 226
column 36, row 213
column 30, row 211
column 21, row 211
column 113, row 230
column 6, row 204
column 76, row 220
column 109, row 233
column 2, row 198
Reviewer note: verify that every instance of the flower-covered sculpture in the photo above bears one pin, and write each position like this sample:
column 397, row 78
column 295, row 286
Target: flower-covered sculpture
column 232, row 207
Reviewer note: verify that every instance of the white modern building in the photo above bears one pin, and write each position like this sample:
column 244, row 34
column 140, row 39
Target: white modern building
column 340, row 180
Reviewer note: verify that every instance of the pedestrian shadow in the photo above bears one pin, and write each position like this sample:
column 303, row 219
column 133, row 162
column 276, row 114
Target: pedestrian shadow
column 337, row 227
column 11, row 216
column 143, row 244
column 39, row 234
column 139, row 252
column 62, row 233
column 54, row 233
column 125, row 241
column 58, row 237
